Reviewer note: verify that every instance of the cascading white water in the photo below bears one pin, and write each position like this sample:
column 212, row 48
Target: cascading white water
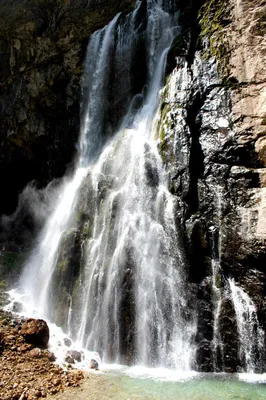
column 129, row 299
column 251, row 335
column 97, row 79
column 133, row 260
column 216, row 283
column 38, row 271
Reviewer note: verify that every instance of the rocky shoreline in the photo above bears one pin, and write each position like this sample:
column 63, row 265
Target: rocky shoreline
column 27, row 368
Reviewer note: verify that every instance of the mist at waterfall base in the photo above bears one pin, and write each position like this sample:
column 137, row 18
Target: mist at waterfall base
column 123, row 297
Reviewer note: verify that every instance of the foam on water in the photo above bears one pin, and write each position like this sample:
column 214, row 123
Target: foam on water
column 157, row 374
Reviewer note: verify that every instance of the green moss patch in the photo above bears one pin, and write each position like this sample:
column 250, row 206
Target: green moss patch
column 214, row 16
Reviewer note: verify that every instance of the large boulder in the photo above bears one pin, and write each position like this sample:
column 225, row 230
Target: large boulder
column 36, row 331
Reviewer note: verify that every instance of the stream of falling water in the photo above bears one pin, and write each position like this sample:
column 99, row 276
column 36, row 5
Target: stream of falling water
column 126, row 296
column 251, row 335
column 216, row 283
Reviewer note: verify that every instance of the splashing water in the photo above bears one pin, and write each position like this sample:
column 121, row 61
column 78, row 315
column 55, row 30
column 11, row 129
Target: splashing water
column 251, row 336
column 216, row 283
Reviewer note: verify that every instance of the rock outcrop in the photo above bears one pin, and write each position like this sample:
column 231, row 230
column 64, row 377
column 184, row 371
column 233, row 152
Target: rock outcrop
column 42, row 47
column 211, row 133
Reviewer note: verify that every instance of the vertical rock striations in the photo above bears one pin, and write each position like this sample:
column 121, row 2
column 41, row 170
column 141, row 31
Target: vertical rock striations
column 211, row 130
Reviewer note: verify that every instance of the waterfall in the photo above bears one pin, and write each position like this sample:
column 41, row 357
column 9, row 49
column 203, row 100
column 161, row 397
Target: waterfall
column 109, row 265
column 216, row 284
column 251, row 335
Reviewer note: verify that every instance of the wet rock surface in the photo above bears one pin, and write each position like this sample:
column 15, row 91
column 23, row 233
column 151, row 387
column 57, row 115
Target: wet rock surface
column 27, row 371
column 94, row 364
column 72, row 356
column 211, row 119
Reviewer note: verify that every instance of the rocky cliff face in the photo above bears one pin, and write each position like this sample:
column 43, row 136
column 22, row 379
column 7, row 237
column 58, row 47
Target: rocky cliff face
column 212, row 141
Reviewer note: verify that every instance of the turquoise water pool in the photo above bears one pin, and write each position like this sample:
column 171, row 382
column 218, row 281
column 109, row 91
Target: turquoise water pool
column 117, row 385
column 201, row 387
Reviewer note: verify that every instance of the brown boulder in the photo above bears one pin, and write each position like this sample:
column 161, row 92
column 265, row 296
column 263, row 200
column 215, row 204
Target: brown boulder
column 36, row 331
column 94, row 364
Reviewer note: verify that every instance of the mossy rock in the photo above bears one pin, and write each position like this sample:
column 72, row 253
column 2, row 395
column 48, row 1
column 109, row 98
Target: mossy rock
column 214, row 16
column 165, row 134
column 11, row 264
column 3, row 294
column 263, row 121
column 87, row 230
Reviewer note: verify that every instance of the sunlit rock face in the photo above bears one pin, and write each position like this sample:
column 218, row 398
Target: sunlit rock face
column 211, row 130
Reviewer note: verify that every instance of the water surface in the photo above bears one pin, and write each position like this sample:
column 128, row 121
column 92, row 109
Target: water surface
column 203, row 387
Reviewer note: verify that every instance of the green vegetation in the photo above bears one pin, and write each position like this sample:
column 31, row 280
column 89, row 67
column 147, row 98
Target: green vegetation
column 165, row 141
column 3, row 285
column 87, row 230
column 11, row 263
column 213, row 17
column 263, row 121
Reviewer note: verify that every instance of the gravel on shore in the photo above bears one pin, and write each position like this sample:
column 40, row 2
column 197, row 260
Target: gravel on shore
column 28, row 372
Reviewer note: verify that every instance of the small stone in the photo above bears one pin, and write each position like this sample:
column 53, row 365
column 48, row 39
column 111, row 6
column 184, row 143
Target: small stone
column 69, row 360
column 94, row 364
column 67, row 342
column 51, row 356
column 56, row 382
column 25, row 347
column 74, row 354
column 11, row 337
column 36, row 353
